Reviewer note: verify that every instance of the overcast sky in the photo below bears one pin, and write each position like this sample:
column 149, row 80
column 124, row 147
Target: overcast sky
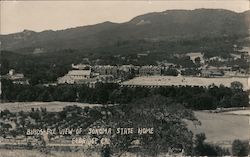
column 43, row 15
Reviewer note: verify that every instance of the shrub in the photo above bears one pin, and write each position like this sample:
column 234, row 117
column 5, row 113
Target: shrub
column 240, row 148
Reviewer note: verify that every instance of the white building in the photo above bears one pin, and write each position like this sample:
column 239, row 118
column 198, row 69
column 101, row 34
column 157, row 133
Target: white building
column 80, row 66
column 194, row 55
column 13, row 75
column 17, row 78
column 149, row 70
column 161, row 81
column 74, row 76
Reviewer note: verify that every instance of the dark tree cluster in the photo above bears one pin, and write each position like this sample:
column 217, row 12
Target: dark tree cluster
column 197, row 98
column 39, row 68
column 68, row 93
column 240, row 148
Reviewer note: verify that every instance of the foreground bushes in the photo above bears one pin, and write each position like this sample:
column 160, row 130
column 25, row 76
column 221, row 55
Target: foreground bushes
column 240, row 148
column 204, row 149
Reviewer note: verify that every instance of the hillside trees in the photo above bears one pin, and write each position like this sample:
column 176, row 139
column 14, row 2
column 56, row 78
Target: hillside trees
column 157, row 112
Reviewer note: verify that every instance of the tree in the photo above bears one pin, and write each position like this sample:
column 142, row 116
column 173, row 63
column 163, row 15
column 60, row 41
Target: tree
column 197, row 60
column 204, row 149
column 5, row 112
column 45, row 96
column 236, row 86
column 69, row 94
column 204, row 101
column 239, row 100
column 5, row 66
column 240, row 148
column 106, row 151
column 171, row 71
column 157, row 112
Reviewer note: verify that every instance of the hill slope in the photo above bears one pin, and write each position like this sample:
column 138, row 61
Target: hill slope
column 160, row 26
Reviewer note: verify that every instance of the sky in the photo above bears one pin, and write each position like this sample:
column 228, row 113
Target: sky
column 56, row 15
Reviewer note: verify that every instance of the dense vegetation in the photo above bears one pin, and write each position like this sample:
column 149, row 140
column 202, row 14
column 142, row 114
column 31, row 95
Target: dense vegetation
column 162, row 114
column 39, row 69
column 197, row 98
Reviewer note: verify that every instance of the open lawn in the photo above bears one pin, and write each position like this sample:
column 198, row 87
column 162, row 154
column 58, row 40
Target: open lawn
column 239, row 112
column 222, row 128
column 37, row 153
column 50, row 106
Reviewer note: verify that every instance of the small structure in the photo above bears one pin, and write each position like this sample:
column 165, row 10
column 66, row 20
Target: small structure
column 91, row 82
column 211, row 73
column 150, row 70
column 105, row 78
column 139, row 55
column 17, row 78
column 106, row 70
column 126, row 68
column 217, row 58
column 194, row 55
column 236, row 56
column 81, row 66
column 13, row 75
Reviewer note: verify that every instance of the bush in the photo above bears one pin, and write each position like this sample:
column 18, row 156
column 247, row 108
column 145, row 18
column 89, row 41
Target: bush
column 240, row 148
column 204, row 149
column 106, row 151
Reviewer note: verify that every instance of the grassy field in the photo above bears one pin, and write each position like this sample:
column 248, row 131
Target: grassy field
column 239, row 112
column 222, row 128
column 50, row 106
column 36, row 153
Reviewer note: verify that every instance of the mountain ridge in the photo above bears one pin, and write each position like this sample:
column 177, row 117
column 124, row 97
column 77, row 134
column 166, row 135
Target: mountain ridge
column 155, row 26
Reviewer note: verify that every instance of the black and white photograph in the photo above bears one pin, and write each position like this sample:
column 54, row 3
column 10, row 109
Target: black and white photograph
column 133, row 78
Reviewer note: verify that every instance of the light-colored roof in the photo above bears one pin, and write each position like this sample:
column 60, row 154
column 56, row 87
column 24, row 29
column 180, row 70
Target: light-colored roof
column 184, row 80
column 80, row 66
column 79, row 72
column 150, row 67
column 194, row 54
column 18, row 75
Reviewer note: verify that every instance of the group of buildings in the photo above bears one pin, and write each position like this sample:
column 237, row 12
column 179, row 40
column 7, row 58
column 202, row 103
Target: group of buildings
column 86, row 74
column 16, row 78
column 92, row 74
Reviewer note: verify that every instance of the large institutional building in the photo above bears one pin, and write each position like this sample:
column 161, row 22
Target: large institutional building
column 161, row 81
column 75, row 76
